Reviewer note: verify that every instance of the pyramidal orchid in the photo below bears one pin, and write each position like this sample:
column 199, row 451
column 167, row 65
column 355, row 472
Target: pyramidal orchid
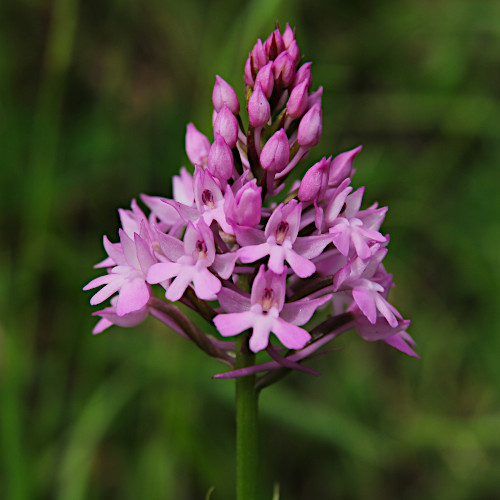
column 272, row 264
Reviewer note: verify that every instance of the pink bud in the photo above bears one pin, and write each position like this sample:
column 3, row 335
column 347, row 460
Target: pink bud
column 258, row 57
column 274, row 45
column 315, row 97
column 226, row 125
column 284, row 69
column 220, row 159
column 276, row 152
column 294, row 52
column 259, row 110
column 197, row 145
column 246, row 208
column 341, row 167
column 265, row 77
column 304, row 73
column 315, row 182
column 222, row 94
column 310, row 127
column 288, row 36
column 248, row 72
column 298, row 100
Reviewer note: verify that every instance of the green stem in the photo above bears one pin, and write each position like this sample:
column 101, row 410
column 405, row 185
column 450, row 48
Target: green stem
column 246, row 426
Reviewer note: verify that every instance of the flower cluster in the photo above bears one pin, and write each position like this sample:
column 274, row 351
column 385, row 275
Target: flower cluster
column 246, row 247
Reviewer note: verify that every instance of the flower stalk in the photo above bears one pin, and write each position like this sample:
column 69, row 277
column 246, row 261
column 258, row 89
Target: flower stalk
column 246, row 425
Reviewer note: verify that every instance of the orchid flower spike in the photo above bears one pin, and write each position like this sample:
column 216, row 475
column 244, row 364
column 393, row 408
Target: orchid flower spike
column 240, row 219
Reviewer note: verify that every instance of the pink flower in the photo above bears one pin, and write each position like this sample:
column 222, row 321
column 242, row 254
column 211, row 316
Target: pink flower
column 133, row 258
column 346, row 228
column 265, row 312
column 189, row 263
column 396, row 336
column 281, row 243
column 209, row 202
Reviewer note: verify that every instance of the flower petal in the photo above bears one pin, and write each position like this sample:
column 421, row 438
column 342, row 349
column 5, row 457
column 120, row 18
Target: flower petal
column 133, row 296
column 234, row 323
column 206, row 285
column 289, row 335
column 301, row 311
column 177, row 288
column 163, row 271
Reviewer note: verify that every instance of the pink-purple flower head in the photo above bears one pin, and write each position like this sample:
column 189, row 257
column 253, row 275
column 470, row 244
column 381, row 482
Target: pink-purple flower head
column 235, row 224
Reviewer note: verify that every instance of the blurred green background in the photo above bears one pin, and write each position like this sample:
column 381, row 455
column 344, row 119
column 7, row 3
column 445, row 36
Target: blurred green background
column 95, row 97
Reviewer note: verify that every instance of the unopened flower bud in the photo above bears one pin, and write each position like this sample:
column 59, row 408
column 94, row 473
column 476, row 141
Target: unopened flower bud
column 284, row 69
column 315, row 97
column 259, row 110
column 310, row 127
column 294, row 52
column 246, row 207
column 226, row 125
column 274, row 45
column 341, row 167
column 288, row 36
column 258, row 57
column 276, row 152
column 315, row 181
column 197, row 145
column 304, row 73
column 222, row 94
column 265, row 77
column 220, row 159
column 298, row 100
column 248, row 72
